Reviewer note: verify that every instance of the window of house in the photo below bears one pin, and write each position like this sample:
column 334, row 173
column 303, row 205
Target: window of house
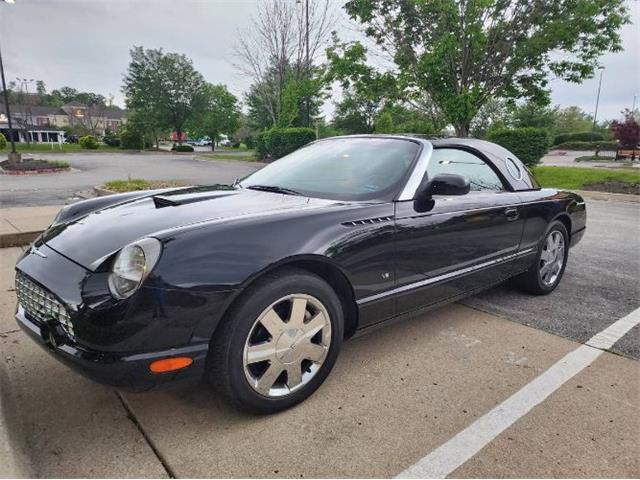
column 460, row 162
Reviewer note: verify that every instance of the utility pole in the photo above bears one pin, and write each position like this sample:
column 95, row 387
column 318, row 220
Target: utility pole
column 308, row 66
column 13, row 155
column 595, row 113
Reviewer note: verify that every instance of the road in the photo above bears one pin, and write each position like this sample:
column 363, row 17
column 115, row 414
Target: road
column 567, row 158
column 91, row 169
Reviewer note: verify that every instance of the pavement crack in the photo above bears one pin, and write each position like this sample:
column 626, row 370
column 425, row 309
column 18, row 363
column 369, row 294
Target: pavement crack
column 131, row 416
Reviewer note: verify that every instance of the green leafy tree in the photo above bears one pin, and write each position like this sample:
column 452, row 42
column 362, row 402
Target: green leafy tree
column 531, row 114
column 572, row 119
column 460, row 53
column 220, row 114
column 384, row 123
column 164, row 87
column 355, row 113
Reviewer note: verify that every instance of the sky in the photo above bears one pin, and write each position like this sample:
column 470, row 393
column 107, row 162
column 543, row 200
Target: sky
column 85, row 44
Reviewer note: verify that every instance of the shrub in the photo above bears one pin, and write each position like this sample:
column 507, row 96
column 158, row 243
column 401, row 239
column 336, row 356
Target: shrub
column 529, row 144
column 628, row 131
column 111, row 139
column 249, row 141
column 603, row 145
column 182, row 148
column 88, row 142
column 578, row 137
column 279, row 142
column 3, row 142
column 131, row 140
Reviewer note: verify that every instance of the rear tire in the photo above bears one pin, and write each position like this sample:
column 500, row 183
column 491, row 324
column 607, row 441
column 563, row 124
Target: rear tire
column 278, row 342
column 545, row 274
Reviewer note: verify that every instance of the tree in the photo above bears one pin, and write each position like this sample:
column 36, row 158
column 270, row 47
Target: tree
column 627, row 132
column 532, row 114
column 572, row 119
column 220, row 114
column 164, row 88
column 355, row 113
column 461, row 53
column 272, row 52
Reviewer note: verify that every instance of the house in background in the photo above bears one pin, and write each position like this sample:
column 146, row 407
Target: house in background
column 47, row 124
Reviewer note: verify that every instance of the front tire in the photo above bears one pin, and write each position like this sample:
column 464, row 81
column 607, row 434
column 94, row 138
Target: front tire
column 278, row 343
column 551, row 260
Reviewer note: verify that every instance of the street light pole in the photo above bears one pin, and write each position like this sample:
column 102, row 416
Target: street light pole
column 308, row 67
column 13, row 155
column 595, row 113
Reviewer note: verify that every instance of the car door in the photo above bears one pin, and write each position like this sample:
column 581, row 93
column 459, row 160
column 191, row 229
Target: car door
column 463, row 242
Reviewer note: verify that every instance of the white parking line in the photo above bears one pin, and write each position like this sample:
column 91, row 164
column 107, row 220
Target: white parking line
column 445, row 459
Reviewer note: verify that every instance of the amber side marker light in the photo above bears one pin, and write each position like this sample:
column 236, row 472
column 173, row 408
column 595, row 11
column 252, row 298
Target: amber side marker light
column 170, row 364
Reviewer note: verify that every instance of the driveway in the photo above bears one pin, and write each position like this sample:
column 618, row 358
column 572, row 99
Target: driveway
column 91, row 169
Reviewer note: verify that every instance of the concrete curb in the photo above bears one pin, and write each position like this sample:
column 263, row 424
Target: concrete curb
column 18, row 239
column 605, row 196
column 101, row 192
column 14, row 460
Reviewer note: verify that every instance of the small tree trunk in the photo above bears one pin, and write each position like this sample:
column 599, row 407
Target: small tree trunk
column 462, row 130
column 213, row 145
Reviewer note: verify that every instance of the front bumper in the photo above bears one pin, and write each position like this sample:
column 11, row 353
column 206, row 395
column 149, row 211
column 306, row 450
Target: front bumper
column 130, row 371
column 114, row 345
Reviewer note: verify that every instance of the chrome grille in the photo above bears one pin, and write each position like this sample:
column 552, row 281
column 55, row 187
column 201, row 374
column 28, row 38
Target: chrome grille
column 40, row 304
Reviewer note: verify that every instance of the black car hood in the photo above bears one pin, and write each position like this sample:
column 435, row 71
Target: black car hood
column 91, row 238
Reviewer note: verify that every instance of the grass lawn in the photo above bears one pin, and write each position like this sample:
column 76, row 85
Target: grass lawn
column 595, row 158
column 134, row 184
column 245, row 156
column 46, row 147
column 589, row 178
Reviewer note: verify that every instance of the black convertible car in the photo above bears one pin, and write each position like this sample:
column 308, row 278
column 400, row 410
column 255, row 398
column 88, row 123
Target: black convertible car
column 255, row 285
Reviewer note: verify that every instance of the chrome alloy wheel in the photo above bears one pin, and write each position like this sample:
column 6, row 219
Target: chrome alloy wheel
column 552, row 258
column 287, row 345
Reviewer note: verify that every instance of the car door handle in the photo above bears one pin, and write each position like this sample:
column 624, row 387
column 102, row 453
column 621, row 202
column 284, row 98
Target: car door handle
column 512, row 213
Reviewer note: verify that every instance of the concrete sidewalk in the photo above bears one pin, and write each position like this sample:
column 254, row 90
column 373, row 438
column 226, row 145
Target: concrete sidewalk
column 21, row 225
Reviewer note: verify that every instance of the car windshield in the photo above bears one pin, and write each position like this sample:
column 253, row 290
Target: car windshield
column 357, row 168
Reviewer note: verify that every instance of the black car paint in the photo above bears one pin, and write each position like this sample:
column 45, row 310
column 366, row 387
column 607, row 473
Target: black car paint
column 218, row 240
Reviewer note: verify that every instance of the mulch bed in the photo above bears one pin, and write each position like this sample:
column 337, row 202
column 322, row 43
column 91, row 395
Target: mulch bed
column 613, row 187
column 30, row 166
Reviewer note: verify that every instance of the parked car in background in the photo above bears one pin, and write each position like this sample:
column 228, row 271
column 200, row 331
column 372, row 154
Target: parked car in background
column 72, row 139
column 202, row 142
column 254, row 286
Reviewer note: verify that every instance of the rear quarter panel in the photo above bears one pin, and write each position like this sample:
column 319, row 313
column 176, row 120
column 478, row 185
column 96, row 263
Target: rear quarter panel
column 541, row 207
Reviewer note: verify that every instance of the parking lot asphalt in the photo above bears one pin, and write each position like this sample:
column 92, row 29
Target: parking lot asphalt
column 395, row 395
column 93, row 169
column 600, row 283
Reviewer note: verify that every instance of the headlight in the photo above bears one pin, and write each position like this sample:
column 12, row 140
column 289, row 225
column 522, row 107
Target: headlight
column 132, row 265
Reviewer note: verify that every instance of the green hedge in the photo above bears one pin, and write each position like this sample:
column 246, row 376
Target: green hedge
column 278, row 142
column 89, row 142
column 182, row 148
column 578, row 137
column 603, row 145
column 131, row 140
column 3, row 142
column 529, row 144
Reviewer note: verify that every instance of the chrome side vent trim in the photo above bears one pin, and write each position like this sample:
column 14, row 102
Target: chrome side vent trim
column 367, row 221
